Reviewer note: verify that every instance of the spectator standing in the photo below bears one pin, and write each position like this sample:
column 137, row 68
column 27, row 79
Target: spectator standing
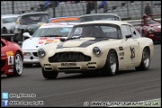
column 148, row 10
column 90, row 6
column 104, row 6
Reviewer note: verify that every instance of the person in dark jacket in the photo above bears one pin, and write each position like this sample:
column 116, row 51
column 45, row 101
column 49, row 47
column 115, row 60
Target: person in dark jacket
column 104, row 6
column 148, row 10
column 90, row 7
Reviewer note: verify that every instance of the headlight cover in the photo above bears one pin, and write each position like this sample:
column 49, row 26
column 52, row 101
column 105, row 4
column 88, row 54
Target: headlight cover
column 96, row 51
column 150, row 30
column 41, row 53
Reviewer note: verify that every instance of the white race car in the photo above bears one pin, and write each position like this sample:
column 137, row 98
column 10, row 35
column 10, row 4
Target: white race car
column 108, row 46
column 50, row 32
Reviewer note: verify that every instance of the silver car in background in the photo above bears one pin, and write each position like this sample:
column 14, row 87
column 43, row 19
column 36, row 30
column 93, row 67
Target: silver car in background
column 8, row 23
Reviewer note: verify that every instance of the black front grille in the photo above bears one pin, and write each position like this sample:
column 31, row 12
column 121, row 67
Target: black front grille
column 3, row 62
column 69, row 57
column 158, row 34
column 35, row 54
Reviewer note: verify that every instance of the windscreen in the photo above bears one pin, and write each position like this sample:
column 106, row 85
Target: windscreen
column 98, row 17
column 9, row 20
column 59, row 31
column 33, row 19
column 96, row 31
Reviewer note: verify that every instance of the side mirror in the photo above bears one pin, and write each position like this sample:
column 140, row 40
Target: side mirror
column 128, row 36
column 62, row 39
column 26, row 34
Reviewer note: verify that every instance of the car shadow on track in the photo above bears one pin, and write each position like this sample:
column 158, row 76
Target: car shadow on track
column 98, row 75
column 33, row 66
column 5, row 77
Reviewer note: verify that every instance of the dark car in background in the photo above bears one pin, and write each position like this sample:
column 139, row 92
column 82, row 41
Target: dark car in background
column 29, row 22
column 99, row 16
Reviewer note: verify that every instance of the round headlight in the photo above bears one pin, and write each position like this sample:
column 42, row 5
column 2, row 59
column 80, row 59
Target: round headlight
column 41, row 53
column 96, row 51
column 151, row 30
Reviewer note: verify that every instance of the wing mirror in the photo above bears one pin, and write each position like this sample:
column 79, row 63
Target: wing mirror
column 26, row 34
column 128, row 36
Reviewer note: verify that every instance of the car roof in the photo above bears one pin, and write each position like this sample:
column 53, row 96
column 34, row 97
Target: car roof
column 9, row 15
column 119, row 23
column 49, row 25
column 66, row 17
column 95, row 14
column 33, row 13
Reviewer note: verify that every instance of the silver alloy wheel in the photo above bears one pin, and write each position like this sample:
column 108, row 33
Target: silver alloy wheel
column 18, row 64
column 146, row 58
column 113, row 63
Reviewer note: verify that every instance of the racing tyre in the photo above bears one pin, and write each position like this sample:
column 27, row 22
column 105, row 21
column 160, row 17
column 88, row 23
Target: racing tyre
column 49, row 74
column 111, row 64
column 145, row 62
column 18, row 65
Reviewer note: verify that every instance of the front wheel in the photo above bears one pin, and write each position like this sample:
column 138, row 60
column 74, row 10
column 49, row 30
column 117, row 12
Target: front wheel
column 49, row 74
column 18, row 65
column 145, row 62
column 111, row 64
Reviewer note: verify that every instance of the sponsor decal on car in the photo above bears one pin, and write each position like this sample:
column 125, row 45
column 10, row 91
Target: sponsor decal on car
column 9, row 53
column 10, row 57
column 48, row 40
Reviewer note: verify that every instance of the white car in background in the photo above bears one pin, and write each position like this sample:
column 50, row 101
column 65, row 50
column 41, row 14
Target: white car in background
column 50, row 32
column 8, row 22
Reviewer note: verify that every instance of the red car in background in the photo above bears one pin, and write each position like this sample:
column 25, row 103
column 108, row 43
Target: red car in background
column 11, row 57
column 150, row 28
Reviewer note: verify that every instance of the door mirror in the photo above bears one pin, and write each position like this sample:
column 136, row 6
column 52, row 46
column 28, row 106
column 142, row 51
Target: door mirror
column 26, row 34
column 128, row 36
column 62, row 39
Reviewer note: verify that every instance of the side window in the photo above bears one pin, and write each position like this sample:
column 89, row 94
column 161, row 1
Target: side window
column 135, row 34
column 126, row 30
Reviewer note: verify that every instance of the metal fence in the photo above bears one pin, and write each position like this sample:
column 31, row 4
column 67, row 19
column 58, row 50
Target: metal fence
column 125, row 9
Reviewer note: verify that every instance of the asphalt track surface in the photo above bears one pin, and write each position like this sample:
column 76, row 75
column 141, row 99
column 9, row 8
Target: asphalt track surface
column 70, row 90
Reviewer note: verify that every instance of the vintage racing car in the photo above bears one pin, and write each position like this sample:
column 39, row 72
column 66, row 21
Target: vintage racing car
column 150, row 28
column 50, row 32
column 108, row 46
column 29, row 22
column 11, row 57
